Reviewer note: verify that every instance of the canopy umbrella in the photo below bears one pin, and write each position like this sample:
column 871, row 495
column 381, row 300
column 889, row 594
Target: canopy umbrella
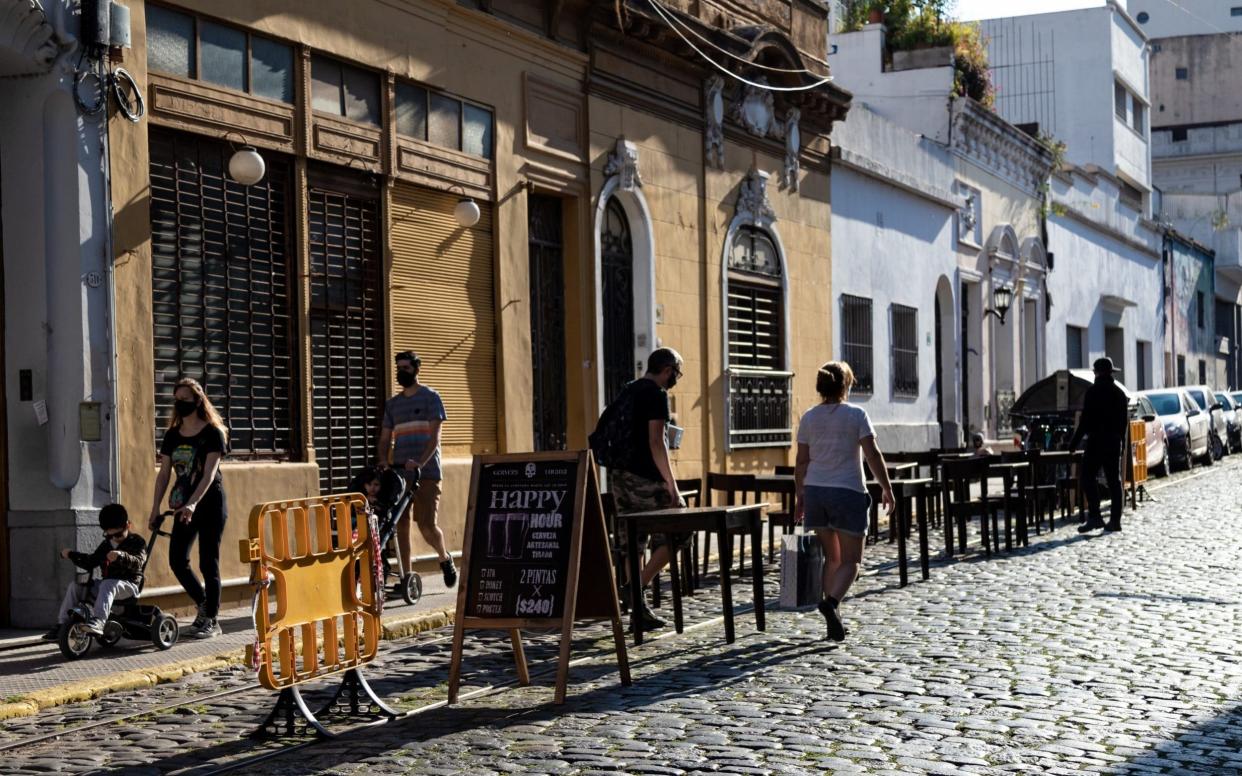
column 1061, row 392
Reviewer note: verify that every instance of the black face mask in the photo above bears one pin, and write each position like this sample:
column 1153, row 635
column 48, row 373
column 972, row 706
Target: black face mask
column 406, row 379
column 185, row 408
column 672, row 380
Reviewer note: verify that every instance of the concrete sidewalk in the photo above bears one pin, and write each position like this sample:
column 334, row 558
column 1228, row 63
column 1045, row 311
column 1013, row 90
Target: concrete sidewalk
column 34, row 675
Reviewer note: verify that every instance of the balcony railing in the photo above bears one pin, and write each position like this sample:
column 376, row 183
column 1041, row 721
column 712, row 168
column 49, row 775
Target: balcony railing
column 759, row 408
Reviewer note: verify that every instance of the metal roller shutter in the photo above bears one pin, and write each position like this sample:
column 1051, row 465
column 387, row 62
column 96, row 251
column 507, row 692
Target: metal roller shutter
column 443, row 307
column 220, row 290
column 346, row 333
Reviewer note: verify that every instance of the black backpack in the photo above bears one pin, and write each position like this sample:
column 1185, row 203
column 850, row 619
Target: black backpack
column 612, row 441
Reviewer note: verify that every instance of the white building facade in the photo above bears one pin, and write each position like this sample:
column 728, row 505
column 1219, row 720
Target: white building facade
column 995, row 174
column 56, row 462
column 1080, row 78
column 892, row 276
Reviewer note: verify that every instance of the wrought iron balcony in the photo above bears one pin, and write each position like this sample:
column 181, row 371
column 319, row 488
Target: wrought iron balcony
column 759, row 408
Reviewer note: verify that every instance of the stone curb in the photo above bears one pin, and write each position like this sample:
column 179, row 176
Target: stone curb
column 74, row 692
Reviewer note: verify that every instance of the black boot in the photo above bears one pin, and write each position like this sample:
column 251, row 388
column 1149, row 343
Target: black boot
column 651, row 621
column 1094, row 524
column 836, row 628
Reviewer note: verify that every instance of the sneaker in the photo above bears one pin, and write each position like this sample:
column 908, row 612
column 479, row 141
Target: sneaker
column 200, row 619
column 450, row 572
column 836, row 628
column 1112, row 527
column 1091, row 525
column 94, row 626
column 209, row 629
column 53, row 634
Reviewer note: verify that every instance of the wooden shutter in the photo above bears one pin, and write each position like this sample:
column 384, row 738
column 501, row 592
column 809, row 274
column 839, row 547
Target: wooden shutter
column 755, row 340
column 220, row 289
column 346, row 332
column 443, row 308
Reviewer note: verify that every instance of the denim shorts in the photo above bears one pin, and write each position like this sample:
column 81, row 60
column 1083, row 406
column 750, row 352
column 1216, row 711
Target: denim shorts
column 837, row 509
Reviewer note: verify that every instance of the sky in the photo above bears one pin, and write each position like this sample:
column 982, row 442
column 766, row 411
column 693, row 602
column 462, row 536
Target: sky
column 991, row 9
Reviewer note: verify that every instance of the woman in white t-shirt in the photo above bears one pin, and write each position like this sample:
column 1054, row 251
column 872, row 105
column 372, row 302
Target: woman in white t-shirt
column 833, row 438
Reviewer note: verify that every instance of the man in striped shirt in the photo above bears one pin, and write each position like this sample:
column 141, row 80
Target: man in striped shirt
column 410, row 432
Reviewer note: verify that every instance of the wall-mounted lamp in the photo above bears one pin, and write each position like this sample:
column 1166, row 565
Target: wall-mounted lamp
column 467, row 210
column 246, row 166
column 1002, row 300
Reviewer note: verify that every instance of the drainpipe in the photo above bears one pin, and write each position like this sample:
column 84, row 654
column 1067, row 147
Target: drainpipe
column 66, row 368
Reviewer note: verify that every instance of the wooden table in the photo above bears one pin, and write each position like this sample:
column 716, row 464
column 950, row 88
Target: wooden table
column 726, row 521
column 908, row 493
column 901, row 470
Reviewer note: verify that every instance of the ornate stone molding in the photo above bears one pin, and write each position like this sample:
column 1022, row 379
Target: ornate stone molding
column 755, row 110
column 752, row 201
column 27, row 38
column 793, row 147
column 987, row 140
column 713, row 116
column 623, row 164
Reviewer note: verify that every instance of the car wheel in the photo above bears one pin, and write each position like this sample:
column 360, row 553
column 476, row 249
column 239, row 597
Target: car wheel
column 1161, row 469
column 1216, row 449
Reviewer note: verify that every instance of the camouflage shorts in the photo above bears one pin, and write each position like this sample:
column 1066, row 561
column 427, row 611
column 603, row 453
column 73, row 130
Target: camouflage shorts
column 634, row 493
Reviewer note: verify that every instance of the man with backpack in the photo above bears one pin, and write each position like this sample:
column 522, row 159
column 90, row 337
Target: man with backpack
column 631, row 441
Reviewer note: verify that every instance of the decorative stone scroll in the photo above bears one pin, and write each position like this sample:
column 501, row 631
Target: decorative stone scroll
column 752, row 201
column 713, row 115
column 623, row 164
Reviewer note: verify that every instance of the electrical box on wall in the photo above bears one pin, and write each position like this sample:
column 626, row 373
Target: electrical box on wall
column 105, row 25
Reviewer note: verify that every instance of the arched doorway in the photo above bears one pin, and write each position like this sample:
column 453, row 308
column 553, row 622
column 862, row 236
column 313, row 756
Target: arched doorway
column 617, row 277
column 946, row 363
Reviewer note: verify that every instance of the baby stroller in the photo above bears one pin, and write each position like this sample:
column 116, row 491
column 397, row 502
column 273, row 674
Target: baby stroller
column 129, row 617
column 393, row 499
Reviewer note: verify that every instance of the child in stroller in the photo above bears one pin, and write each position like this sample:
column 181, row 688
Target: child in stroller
column 389, row 497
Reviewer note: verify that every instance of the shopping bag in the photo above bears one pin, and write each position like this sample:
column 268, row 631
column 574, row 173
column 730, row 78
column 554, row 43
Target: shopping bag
column 802, row 567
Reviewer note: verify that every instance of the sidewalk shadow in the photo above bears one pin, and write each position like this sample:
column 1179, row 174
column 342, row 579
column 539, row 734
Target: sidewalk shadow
column 694, row 673
column 1207, row 748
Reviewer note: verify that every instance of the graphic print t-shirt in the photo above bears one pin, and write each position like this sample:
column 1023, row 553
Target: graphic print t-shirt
column 412, row 419
column 189, row 456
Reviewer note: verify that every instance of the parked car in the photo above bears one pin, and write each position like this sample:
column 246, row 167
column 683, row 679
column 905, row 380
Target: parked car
column 1186, row 427
column 1233, row 419
column 1157, row 445
column 1206, row 399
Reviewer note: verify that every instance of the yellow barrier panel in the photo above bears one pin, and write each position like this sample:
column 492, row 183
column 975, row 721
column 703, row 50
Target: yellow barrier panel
column 317, row 609
column 1136, row 470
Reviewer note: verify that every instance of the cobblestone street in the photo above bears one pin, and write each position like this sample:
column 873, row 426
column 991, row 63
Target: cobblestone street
column 1112, row 653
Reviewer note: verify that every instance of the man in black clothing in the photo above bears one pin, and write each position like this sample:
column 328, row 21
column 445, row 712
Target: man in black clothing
column 645, row 481
column 1105, row 420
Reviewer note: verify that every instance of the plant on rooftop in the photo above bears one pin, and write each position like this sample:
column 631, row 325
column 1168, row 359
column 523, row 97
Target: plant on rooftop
column 918, row 24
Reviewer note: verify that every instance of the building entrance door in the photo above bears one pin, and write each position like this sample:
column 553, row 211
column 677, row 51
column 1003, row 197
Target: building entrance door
column 617, row 263
column 547, row 322
column 965, row 376
column 4, row 459
column 346, row 329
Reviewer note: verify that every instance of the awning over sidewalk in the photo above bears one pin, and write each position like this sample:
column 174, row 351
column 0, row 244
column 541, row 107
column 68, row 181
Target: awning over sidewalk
column 1060, row 392
column 27, row 38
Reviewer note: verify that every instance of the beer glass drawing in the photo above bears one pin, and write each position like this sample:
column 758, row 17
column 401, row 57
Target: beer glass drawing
column 496, row 535
column 515, row 535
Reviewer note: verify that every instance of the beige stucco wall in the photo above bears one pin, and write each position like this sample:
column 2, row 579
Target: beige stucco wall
column 691, row 209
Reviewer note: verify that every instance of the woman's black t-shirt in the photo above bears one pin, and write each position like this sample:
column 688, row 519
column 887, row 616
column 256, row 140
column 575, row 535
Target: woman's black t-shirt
column 189, row 456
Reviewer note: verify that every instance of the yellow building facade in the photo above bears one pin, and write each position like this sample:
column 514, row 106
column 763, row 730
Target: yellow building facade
column 630, row 195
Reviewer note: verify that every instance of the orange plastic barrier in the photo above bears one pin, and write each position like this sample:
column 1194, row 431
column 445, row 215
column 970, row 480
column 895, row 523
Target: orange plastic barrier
column 318, row 554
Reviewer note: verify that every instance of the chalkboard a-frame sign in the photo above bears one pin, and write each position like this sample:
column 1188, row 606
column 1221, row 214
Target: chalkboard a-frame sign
column 534, row 520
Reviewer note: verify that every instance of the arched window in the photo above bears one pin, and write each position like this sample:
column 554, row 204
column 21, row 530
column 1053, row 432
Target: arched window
column 759, row 385
column 617, row 262
column 756, row 310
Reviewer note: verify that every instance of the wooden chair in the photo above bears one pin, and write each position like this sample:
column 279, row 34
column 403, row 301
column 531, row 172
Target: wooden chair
column 691, row 489
column 1040, row 489
column 735, row 487
column 783, row 517
column 959, row 476
column 1069, row 489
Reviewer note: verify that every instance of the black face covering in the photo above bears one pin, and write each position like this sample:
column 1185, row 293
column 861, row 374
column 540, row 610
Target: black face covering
column 672, row 380
column 185, row 408
column 406, row 379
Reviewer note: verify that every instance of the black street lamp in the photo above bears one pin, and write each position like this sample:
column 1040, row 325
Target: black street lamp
column 1002, row 300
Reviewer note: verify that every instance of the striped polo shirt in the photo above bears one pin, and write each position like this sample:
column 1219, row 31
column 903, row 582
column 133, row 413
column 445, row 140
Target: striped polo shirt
column 411, row 420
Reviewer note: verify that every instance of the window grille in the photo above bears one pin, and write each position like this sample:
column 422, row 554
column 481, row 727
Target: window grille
column 220, row 290
column 905, row 351
column 856, row 347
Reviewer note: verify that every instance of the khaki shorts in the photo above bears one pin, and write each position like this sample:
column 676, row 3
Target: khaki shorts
column 426, row 504
column 633, row 493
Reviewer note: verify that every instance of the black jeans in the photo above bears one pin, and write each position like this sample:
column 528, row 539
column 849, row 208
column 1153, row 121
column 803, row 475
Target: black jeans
column 208, row 526
column 1108, row 457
